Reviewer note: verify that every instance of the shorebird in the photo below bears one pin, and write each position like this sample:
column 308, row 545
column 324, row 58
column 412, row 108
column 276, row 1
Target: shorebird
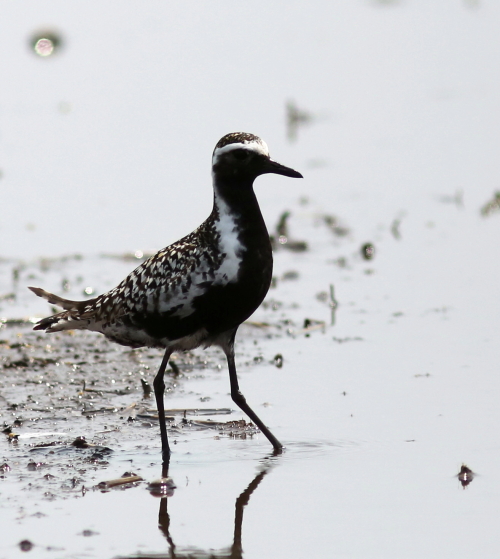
column 197, row 291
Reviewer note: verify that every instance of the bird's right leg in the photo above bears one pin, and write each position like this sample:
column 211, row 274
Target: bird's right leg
column 159, row 387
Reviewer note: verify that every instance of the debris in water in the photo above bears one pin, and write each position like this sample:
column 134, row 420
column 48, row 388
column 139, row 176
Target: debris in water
column 347, row 339
column 80, row 442
column 333, row 303
column 152, row 415
column 329, row 298
column 146, row 388
column 131, row 256
column 128, row 478
column 238, row 429
column 310, row 325
column 465, row 475
column 296, row 118
column 368, row 251
column 282, row 226
column 88, row 533
column 282, row 238
column 175, row 368
column 33, row 466
column 334, row 225
column 491, row 206
column 163, row 487
column 297, row 246
column 196, row 411
column 290, row 275
column 129, row 412
column 457, row 198
column 26, row 545
column 278, row 360
column 395, row 229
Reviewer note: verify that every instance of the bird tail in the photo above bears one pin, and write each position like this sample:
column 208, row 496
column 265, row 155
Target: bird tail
column 53, row 323
column 55, row 299
column 66, row 320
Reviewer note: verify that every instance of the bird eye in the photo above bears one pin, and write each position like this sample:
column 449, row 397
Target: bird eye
column 240, row 154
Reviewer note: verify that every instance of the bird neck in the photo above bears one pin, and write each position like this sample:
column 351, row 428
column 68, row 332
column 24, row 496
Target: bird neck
column 237, row 199
column 235, row 194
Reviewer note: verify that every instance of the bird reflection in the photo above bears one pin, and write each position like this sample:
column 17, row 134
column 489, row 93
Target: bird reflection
column 235, row 551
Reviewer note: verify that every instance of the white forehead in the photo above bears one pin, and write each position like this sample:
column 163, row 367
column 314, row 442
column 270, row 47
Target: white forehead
column 259, row 147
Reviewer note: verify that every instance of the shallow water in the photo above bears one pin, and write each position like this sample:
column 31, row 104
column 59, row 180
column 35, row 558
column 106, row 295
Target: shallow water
column 379, row 400
column 377, row 414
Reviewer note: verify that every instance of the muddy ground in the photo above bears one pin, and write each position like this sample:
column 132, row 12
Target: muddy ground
column 382, row 399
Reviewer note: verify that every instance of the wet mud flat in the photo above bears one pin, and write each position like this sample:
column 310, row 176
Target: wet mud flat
column 67, row 405
column 365, row 360
column 77, row 411
column 78, row 417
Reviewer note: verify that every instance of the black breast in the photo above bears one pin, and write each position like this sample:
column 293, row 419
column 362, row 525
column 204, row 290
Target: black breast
column 219, row 307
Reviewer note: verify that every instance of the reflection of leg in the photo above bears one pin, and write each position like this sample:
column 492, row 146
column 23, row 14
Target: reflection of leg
column 241, row 502
column 163, row 516
column 164, row 524
column 159, row 387
column 240, row 400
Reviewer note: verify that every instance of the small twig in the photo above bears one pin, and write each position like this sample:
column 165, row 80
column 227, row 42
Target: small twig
column 175, row 368
column 333, row 303
column 395, row 229
column 119, row 481
column 146, row 388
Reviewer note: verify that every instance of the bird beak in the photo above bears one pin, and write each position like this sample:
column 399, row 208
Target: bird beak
column 271, row 166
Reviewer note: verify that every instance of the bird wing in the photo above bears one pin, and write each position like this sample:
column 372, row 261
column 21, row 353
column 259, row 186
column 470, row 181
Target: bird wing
column 166, row 285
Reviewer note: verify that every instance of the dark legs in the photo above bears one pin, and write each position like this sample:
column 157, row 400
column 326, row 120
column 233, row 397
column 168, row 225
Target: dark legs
column 159, row 386
column 240, row 400
column 236, row 395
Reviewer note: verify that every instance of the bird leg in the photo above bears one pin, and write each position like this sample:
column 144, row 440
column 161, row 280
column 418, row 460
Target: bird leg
column 159, row 387
column 240, row 400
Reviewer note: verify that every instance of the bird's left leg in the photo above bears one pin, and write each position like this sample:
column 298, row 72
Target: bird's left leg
column 159, row 387
column 240, row 400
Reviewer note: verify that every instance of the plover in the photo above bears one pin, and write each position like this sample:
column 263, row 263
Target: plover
column 197, row 291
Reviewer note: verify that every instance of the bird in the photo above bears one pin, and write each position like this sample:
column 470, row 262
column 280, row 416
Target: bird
column 198, row 290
